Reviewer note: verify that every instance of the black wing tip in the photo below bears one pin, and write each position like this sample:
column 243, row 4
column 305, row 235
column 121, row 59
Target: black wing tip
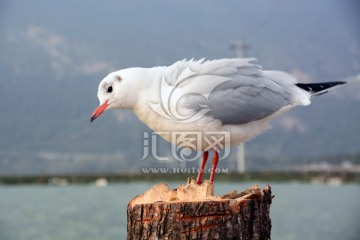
column 318, row 87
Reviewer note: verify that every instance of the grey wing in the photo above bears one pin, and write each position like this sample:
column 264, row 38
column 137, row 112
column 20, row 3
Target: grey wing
column 233, row 102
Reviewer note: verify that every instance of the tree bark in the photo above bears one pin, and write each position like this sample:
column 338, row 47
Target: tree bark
column 193, row 212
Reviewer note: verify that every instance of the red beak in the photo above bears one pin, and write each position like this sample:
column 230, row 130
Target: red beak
column 99, row 110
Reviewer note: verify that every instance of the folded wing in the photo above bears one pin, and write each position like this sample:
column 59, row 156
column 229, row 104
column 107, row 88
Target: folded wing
column 235, row 91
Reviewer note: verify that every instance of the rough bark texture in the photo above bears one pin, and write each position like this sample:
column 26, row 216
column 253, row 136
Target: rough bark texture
column 192, row 212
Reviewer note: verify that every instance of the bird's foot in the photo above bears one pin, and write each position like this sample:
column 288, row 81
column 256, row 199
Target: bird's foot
column 199, row 178
column 201, row 172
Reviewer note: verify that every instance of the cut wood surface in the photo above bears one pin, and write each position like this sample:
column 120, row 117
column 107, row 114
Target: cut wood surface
column 193, row 212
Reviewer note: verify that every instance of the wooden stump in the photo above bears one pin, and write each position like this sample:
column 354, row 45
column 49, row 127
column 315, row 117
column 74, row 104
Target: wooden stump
column 193, row 212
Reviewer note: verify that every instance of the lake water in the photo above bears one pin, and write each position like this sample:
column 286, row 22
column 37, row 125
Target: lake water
column 299, row 211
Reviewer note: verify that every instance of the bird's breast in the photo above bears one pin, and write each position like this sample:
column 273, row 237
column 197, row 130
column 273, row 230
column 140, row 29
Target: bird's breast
column 204, row 133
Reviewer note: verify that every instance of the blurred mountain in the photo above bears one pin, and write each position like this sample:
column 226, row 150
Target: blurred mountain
column 53, row 55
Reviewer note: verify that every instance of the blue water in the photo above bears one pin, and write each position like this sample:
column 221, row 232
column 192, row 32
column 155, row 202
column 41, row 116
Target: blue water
column 299, row 211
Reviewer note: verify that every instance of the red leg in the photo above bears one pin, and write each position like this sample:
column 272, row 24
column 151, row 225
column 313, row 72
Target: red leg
column 201, row 172
column 215, row 161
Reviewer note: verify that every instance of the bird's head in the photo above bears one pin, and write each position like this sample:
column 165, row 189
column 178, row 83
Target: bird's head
column 112, row 94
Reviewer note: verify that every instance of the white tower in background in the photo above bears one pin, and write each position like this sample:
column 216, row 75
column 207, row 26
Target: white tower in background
column 239, row 47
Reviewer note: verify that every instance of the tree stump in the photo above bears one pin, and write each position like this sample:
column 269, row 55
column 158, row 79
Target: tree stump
column 193, row 212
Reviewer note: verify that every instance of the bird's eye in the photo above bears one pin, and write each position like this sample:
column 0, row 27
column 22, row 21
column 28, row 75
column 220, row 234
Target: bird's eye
column 109, row 89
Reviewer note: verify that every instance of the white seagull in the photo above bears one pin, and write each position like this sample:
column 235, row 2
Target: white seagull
column 233, row 96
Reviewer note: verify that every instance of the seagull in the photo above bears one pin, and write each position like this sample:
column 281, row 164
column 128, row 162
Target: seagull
column 208, row 97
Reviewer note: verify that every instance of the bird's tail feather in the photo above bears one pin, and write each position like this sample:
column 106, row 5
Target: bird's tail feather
column 316, row 89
